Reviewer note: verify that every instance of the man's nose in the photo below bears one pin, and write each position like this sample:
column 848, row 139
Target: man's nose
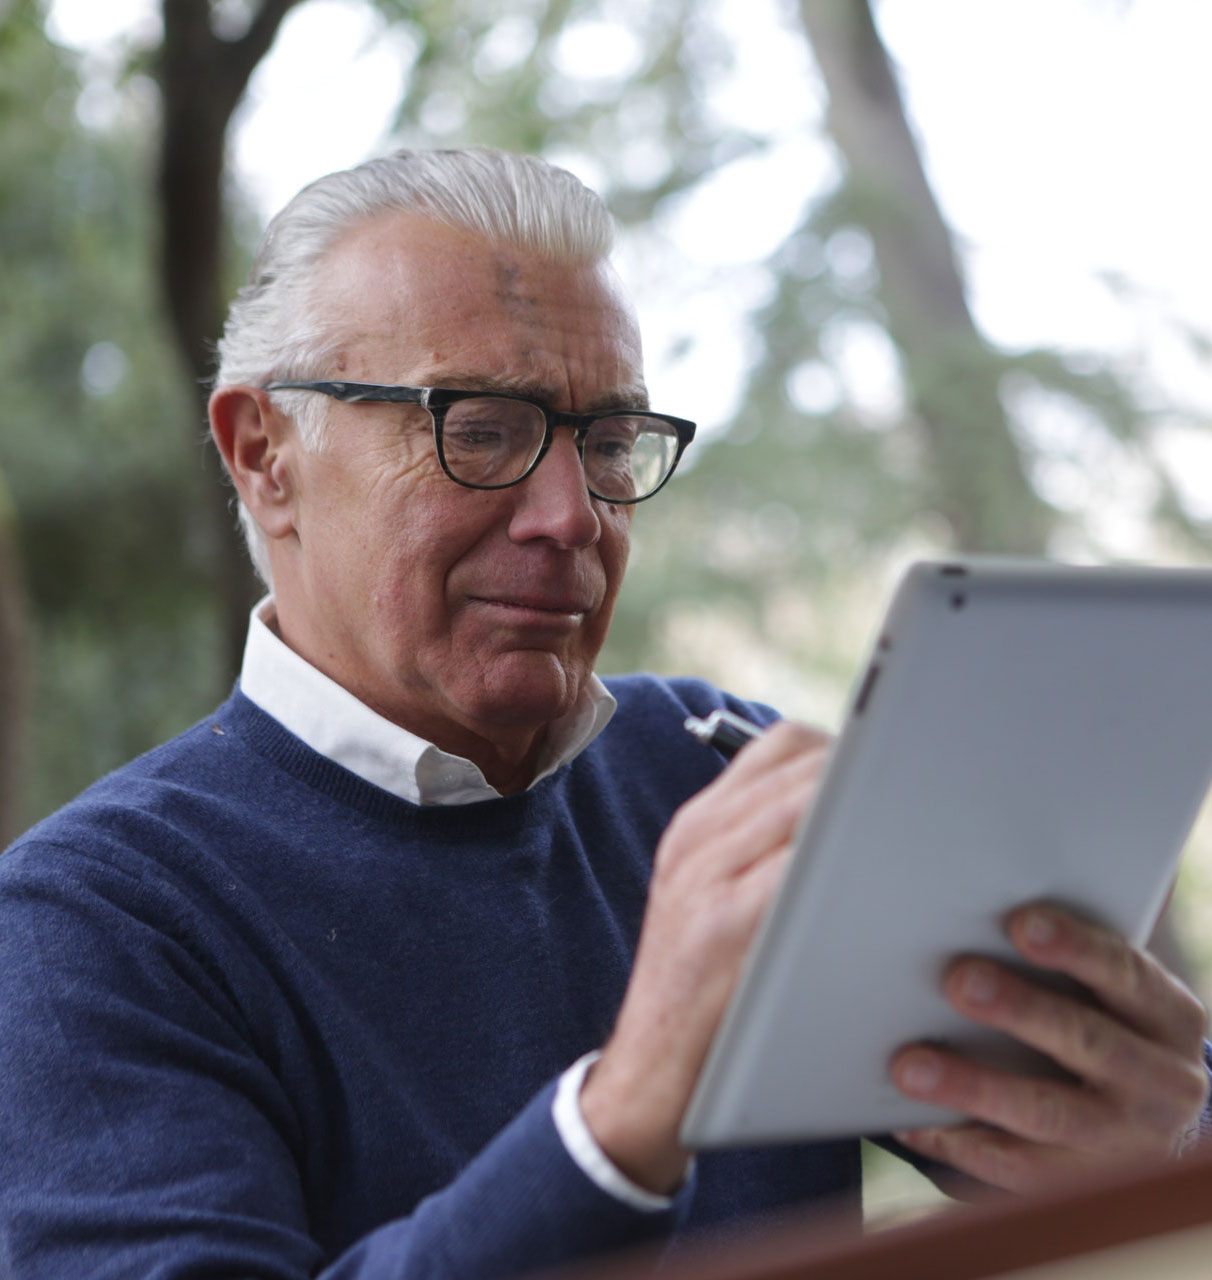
column 553, row 501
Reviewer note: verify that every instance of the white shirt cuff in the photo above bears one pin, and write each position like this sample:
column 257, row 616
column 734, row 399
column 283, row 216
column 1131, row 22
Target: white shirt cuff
column 583, row 1148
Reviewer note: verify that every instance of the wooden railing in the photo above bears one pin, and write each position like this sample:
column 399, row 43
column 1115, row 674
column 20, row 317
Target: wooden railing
column 965, row 1242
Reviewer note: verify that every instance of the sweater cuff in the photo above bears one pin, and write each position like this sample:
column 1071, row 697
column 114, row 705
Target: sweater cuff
column 519, row 1207
column 581, row 1145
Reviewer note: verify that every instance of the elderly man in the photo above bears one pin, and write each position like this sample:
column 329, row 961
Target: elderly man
column 405, row 961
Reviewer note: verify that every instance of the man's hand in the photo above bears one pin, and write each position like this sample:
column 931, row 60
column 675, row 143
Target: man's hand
column 715, row 870
column 1136, row 1050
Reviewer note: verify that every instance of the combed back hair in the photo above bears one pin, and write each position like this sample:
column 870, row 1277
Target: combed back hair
column 274, row 331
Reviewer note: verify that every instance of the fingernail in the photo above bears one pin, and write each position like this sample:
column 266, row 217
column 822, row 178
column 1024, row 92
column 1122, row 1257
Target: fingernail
column 920, row 1073
column 980, row 984
column 1039, row 929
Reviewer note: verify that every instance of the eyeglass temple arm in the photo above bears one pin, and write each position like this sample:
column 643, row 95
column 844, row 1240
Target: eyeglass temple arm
column 352, row 391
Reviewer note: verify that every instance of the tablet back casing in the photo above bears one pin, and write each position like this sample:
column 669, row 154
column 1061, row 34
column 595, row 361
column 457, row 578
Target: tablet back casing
column 1022, row 731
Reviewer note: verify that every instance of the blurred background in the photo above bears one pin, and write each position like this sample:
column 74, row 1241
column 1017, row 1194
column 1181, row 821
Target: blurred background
column 930, row 274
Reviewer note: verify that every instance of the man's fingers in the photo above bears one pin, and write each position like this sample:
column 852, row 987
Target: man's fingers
column 716, row 867
column 754, row 806
column 995, row 1158
column 1129, row 1033
column 784, row 739
column 1147, row 1077
column 1130, row 983
column 734, row 830
column 1048, row 1112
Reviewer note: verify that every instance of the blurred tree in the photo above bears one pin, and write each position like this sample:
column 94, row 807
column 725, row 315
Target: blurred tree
column 14, row 677
column 978, row 481
column 100, row 469
column 622, row 89
column 14, row 608
column 202, row 67
column 796, row 508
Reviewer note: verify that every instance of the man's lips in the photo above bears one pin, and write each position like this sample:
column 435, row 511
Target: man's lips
column 552, row 606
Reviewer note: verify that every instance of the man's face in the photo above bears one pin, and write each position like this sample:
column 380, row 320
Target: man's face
column 467, row 616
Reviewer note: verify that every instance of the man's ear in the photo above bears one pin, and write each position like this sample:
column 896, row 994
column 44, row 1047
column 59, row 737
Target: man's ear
column 258, row 445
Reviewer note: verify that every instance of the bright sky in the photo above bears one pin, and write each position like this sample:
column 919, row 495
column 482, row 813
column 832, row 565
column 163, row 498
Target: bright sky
column 1064, row 139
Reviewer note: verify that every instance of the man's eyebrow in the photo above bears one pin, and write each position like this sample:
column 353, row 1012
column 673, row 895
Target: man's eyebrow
column 634, row 397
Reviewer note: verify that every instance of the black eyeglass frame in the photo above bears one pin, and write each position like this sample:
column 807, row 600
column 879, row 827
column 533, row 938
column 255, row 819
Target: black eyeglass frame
column 438, row 399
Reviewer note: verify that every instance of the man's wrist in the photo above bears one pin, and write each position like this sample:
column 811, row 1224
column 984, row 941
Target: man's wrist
column 640, row 1144
column 584, row 1148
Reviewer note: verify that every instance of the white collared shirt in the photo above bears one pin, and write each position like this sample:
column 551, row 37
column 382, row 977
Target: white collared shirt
column 345, row 730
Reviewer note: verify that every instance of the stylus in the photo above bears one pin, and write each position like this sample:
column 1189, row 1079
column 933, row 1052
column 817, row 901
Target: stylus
column 724, row 730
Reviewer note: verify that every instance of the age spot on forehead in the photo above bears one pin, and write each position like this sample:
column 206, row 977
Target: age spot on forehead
column 509, row 291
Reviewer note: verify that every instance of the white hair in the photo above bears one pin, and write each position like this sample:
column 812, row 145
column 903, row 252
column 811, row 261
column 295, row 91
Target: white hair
column 274, row 332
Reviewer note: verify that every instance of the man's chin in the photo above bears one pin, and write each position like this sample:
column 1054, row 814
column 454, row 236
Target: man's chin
column 527, row 689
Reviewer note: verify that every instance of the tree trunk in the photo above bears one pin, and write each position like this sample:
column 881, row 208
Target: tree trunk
column 951, row 374
column 202, row 78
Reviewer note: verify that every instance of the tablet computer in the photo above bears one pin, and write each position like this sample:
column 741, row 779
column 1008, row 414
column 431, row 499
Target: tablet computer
column 1021, row 731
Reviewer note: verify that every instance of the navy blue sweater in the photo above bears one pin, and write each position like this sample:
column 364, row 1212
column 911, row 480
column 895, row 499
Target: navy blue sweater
column 259, row 1018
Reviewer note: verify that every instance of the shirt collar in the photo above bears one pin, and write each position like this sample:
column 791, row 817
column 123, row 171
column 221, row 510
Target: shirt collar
column 337, row 725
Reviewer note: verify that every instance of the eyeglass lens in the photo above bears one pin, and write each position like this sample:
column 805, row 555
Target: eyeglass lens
column 489, row 441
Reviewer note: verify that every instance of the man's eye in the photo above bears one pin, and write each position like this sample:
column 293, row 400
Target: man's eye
column 614, row 447
column 614, row 439
column 477, row 435
column 473, row 437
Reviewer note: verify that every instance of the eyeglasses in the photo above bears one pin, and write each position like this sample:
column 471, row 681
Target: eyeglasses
column 494, row 441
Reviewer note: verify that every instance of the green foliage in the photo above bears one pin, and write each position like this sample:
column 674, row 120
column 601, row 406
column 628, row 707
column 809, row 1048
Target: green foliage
column 96, row 437
column 517, row 79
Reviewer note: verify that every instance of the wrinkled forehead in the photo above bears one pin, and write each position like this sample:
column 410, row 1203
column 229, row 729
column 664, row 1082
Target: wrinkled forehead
column 405, row 291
